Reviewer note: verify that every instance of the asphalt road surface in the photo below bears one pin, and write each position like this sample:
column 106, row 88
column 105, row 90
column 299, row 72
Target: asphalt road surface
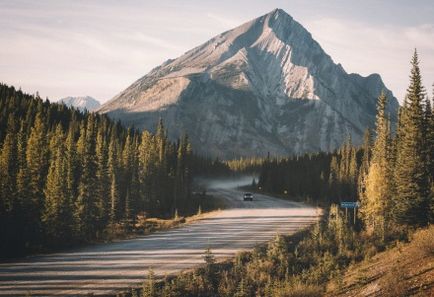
column 108, row 268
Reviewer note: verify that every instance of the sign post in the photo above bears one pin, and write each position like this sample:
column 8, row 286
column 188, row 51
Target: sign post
column 350, row 204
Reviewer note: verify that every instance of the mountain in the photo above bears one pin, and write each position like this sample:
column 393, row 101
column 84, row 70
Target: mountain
column 81, row 103
column 265, row 86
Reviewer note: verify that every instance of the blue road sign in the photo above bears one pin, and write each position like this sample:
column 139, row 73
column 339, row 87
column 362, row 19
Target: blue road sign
column 349, row 204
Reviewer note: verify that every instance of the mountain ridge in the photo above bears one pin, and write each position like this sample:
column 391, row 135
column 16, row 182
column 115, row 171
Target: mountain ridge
column 274, row 82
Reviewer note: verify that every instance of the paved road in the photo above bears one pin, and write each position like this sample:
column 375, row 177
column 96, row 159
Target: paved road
column 107, row 268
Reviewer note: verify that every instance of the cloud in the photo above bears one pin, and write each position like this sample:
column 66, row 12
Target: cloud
column 98, row 48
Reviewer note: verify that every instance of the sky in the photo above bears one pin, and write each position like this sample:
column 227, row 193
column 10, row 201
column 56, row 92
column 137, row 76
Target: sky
column 98, row 48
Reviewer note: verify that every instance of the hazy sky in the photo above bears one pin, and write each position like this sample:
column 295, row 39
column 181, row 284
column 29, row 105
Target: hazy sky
column 98, row 48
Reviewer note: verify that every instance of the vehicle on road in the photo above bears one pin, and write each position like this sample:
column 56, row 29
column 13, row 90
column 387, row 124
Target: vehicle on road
column 248, row 197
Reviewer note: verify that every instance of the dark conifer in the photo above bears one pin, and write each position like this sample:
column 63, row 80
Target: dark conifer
column 411, row 174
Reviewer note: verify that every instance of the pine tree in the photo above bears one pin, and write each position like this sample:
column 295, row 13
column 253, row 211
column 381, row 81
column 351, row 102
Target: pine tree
column 146, row 157
column 352, row 179
column 127, row 162
column 85, row 210
column 429, row 119
column 102, row 186
column 8, row 170
column 113, row 176
column 37, row 166
column 161, row 183
column 182, row 175
column 71, row 176
column 376, row 207
column 364, row 167
column 24, row 203
column 56, row 207
column 9, row 202
column 429, row 136
column 411, row 174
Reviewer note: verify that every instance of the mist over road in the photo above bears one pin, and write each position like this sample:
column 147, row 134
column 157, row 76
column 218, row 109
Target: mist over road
column 107, row 268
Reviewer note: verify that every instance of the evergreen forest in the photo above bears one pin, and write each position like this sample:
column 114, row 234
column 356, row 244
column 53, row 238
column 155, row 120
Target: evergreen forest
column 70, row 177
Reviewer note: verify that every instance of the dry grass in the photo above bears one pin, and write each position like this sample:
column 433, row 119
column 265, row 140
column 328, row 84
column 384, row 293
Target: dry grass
column 144, row 225
column 424, row 241
column 393, row 284
column 151, row 225
column 405, row 270
column 304, row 291
column 285, row 289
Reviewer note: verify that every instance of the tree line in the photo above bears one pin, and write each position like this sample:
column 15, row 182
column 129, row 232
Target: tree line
column 392, row 176
column 322, row 177
column 68, row 176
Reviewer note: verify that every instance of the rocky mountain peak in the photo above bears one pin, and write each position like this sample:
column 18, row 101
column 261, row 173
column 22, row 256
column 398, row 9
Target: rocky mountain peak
column 264, row 86
column 81, row 102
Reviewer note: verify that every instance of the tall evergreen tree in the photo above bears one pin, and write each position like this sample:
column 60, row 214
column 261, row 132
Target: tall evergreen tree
column 364, row 167
column 56, row 208
column 8, row 170
column 37, row 166
column 113, row 176
column 71, row 173
column 102, row 186
column 127, row 161
column 411, row 174
column 85, row 210
column 377, row 204
column 429, row 119
column 146, row 160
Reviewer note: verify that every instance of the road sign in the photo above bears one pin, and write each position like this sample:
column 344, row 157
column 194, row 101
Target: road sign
column 349, row 204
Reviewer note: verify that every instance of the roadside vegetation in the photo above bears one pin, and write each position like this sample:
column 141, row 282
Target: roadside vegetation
column 405, row 270
column 393, row 179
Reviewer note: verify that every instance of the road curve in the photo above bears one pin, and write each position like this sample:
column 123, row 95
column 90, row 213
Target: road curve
column 108, row 268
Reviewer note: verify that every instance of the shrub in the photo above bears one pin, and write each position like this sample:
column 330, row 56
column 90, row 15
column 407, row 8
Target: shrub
column 424, row 240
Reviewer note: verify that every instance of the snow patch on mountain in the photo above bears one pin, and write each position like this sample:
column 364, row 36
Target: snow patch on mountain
column 82, row 103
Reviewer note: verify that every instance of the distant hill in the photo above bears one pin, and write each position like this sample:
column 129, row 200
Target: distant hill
column 265, row 86
column 81, row 103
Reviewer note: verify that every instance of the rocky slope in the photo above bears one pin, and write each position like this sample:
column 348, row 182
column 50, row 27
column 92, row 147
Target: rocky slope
column 81, row 103
column 265, row 86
